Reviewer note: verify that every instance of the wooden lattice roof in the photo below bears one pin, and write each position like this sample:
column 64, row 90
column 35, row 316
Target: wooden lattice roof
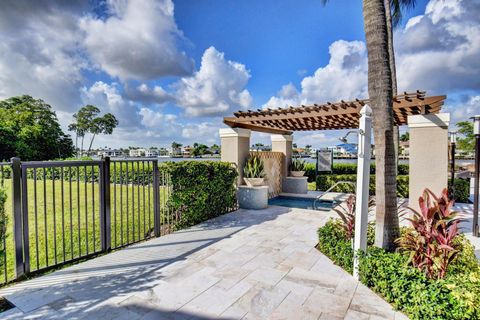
column 328, row 116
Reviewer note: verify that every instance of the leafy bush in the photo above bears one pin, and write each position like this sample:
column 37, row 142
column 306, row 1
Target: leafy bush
column 253, row 167
column 325, row 181
column 351, row 168
column 461, row 190
column 457, row 297
column 430, row 245
column 201, row 190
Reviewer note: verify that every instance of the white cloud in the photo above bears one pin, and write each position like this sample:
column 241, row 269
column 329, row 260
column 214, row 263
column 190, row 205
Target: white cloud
column 139, row 40
column 463, row 110
column 108, row 99
column 144, row 94
column 344, row 77
column 216, row 89
column 208, row 132
column 39, row 52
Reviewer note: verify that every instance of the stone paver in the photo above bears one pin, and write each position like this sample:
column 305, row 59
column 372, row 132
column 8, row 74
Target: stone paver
column 243, row 265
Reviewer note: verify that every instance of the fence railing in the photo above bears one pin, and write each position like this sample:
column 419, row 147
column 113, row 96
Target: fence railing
column 63, row 211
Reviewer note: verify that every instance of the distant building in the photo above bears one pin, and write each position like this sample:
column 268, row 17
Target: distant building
column 187, row 151
column 163, row 152
column 136, row 153
column 405, row 148
column 151, row 153
column 110, row 153
column 344, row 150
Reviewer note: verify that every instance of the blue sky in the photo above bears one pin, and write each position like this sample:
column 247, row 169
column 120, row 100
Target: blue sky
column 172, row 70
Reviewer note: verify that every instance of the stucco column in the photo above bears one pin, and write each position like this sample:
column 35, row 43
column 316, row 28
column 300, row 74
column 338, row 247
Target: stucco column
column 235, row 147
column 428, row 154
column 283, row 143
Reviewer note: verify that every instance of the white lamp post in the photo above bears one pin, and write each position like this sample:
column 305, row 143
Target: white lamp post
column 476, row 132
column 363, row 180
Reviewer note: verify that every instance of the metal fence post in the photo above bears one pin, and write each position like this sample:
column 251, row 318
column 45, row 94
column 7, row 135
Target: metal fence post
column 156, row 199
column 17, row 217
column 105, row 222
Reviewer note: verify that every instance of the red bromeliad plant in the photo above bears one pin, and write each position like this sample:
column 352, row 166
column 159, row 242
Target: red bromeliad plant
column 431, row 242
column 347, row 214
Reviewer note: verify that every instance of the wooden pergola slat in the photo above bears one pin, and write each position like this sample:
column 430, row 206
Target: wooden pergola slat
column 329, row 116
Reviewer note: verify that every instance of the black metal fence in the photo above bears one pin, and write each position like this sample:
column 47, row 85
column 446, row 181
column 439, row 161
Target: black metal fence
column 63, row 211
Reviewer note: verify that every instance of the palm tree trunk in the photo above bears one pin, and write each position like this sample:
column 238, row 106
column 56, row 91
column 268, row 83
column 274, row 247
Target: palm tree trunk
column 81, row 150
column 393, row 70
column 76, row 144
column 91, row 141
column 380, row 95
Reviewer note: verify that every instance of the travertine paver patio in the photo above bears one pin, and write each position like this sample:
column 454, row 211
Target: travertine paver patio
column 246, row 264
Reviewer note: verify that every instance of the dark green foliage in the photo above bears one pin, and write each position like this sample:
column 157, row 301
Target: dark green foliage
column 406, row 288
column 461, row 190
column 348, row 168
column 326, row 181
column 29, row 129
column 201, row 190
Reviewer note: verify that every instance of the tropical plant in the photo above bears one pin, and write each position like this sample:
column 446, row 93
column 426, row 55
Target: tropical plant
column 30, row 129
column 346, row 212
column 467, row 140
column 253, row 167
column 298, row 165
column 100, row 125
column 431, row 245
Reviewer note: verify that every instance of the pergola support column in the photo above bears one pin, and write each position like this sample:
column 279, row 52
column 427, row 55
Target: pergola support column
column 428, row 154
column 283, row 143
column 235, row 148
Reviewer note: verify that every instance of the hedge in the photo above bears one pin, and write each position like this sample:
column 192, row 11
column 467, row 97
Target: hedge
column 461, row 190
column 457, row 297
column 326, row 181
column 349, row 168
column 201, row 190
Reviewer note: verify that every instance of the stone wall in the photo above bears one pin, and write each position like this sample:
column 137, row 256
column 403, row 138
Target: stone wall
column 273, row 164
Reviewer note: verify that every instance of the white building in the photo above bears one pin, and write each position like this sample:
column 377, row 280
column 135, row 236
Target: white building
column 151, row 153
column 110, row 153
column 136, row 153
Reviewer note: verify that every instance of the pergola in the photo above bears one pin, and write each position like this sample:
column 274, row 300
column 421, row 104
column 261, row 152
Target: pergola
column 329, row 116
column 427, row 126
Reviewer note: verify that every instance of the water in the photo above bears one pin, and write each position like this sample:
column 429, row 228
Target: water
column 301, row 203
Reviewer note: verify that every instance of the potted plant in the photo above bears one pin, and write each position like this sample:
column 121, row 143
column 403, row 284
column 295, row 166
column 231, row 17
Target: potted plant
column 253, row 172
column 297, row 168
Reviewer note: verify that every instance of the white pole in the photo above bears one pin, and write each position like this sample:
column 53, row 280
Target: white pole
column 363, row 179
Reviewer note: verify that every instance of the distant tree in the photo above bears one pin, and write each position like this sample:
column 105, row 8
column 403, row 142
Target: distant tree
column 102, row 125
column 29, row 129
column 83, row 121
column 405, row 137
column 175, row 146
column 467, row 143
column 215, row 149
column 199, row 149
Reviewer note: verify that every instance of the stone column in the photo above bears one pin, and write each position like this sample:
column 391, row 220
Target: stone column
column 428, row 154
column 283, row 143
column 235, row 148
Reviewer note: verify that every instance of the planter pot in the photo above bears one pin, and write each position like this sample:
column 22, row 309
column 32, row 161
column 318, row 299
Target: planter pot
column 254, row 182
column 297, row 173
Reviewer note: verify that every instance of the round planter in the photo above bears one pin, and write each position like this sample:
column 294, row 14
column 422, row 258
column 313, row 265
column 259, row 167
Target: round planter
column 297, row 173
column 254, row 182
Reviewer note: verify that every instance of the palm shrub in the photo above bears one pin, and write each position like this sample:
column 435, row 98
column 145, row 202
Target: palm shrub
column 431, row 245
column 253, row 167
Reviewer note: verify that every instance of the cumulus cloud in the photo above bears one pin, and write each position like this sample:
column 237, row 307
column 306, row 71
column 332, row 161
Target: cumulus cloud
column 139, row 40
column 207, row 130
column 144, row 94
column 216, row 88
column 440, row 50
column 344, row 77
column 39, row 51
column 108, row 98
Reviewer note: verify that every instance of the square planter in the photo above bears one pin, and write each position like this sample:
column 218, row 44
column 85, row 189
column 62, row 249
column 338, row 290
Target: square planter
column 295, row 185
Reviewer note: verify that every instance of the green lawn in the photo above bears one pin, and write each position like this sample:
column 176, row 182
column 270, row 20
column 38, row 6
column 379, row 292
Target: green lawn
column 73, row 225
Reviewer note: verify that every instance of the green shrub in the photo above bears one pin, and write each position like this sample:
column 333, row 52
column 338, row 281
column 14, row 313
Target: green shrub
column 348, row 168
column 326, row 181
column 456, row 297
column 201, row 190
column 461, row 190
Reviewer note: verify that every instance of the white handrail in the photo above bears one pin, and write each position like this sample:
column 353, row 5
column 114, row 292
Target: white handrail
column 331, row 188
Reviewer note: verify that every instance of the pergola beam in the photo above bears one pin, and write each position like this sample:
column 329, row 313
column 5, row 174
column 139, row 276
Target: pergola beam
column 340, row 115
